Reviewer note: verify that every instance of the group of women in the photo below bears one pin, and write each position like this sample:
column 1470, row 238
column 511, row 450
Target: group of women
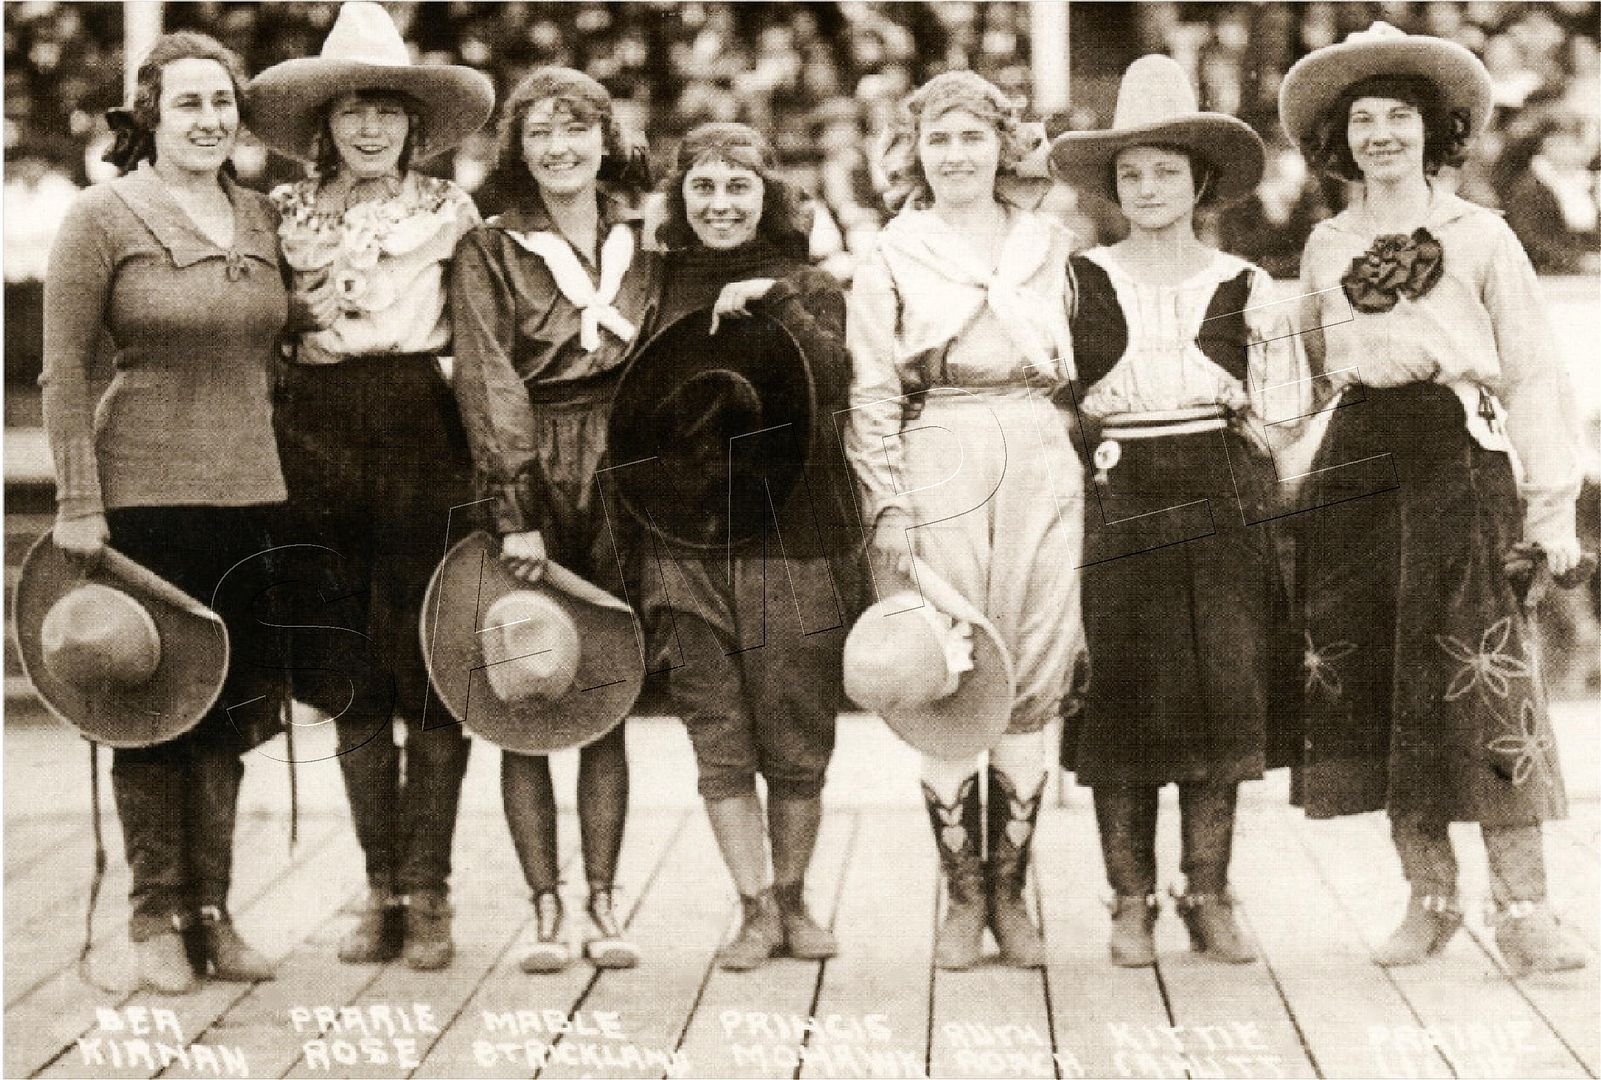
column 1163, row 362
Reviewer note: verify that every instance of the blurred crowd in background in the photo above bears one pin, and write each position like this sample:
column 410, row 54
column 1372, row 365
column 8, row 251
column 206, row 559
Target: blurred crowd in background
column 823, row 79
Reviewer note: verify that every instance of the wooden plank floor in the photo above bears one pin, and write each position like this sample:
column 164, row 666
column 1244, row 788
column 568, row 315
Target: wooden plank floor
column 1315, row 897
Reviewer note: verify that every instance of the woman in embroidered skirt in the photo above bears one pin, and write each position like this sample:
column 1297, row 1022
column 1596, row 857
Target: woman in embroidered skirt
column 1424, row 695
column 373, row 450
column 958, row 331
column 548, row 298
column 735, row 234
column 175, row 465
column 1175, row 341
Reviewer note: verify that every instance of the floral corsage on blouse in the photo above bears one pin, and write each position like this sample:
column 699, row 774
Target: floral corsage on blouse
column 349, row 243
column 1395, row 266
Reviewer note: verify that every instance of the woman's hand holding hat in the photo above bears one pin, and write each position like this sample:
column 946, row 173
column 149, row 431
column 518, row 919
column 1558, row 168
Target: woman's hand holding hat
column 890, row 548
column 736, row 297
column 314, row 305
column 524, row 553
column 84, row 537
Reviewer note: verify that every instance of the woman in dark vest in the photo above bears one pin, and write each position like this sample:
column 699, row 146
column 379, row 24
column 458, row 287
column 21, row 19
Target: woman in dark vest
column 1174, row 341
column 736, row 239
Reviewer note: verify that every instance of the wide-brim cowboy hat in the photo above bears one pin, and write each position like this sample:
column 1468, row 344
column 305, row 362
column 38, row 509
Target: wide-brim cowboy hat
column 1156, row 106
column 186, row 664
column 364, row 51
column 710, row 433
column 1316, row 81
column 611, row 660
column 972, row 718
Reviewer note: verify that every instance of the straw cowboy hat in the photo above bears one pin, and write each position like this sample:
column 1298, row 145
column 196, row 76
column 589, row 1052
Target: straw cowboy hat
column 114, row 650
column 364, row 51
column 1156, row 106
column 933, row 667
column 1317, row 80
column 533, row 668
column 685, row 400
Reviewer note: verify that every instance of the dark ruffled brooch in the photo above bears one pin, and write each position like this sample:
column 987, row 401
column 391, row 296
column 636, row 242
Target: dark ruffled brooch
column 1395, row 266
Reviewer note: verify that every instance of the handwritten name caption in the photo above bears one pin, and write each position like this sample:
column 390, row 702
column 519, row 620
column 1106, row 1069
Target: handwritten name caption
column 138, row 1037
column 378, row 1034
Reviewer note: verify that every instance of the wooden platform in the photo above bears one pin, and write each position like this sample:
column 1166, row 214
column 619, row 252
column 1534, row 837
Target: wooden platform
column 1316, row 896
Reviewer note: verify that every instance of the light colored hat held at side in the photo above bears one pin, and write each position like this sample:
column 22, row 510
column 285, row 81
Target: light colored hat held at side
column 1156, row 106
column 1316, row 81
column 532, row 668
column 933, row 667
column 119, row 653
column 364, row 51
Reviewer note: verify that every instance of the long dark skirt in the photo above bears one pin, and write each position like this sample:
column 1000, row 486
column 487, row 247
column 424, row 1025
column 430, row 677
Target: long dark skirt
column 380, row 486
column 1183, row 610
column 1424, row 695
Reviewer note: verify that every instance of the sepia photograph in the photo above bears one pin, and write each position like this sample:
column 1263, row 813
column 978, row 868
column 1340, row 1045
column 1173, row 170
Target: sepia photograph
column 1046, row 539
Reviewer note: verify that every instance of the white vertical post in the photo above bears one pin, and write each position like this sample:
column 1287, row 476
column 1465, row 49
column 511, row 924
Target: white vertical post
column 1049, row 32
column 141, row 25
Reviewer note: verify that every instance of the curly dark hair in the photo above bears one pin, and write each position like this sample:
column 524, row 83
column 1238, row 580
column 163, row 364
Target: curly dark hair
column 135, row 125
column 1445, row 131
column 1201, row 170
column 624, row 161
column 786, row 214
column 325, row 152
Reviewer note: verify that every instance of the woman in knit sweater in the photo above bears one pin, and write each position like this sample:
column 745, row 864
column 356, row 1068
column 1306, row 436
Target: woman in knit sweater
column 736, row 239
column 175, row 465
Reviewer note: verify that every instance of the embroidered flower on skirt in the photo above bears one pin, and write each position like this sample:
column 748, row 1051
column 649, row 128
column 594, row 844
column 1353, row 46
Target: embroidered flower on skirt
column 1525, row 742
column 1395, row 266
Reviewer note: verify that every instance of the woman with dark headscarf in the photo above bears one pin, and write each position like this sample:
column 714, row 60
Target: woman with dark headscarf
column 736, row 237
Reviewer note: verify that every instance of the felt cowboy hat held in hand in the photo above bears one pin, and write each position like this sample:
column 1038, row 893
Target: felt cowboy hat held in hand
column 1316, row 81
column 1156, row 106
column 364, row 51
column 112, row 649
column 933, row 667
column 533, row 668
column 714, row 430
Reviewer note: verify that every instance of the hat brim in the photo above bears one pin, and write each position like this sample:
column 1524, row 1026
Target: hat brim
column 283, row 104
column 705, row 504
column 1316, row 81
column 611, row 662
column 187, row 680
column 1232, row 149
column 973, row 719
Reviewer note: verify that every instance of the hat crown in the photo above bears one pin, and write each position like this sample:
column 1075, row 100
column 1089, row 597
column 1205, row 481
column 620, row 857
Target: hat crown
column 97, row 635
column 530, row 647
column 1379, row 31
column 364, row 33
column 1154, row 90
column 900, row 655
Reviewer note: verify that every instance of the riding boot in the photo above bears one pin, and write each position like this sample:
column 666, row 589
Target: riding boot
column 957, row 835
column 1011, row 821
column 792, row 826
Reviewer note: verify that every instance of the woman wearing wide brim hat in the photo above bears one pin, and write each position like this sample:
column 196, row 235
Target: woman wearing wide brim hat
column 1174, row 341
column 1457, row 440
column 174, row 466
column 962, row 352
column 373, row 449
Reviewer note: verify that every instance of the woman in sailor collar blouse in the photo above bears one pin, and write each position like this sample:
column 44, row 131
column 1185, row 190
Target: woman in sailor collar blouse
column 376, row 460
column 548, row 299
column 175, row 464
column 959, row 336
column 1178, row 347
column 1455, row 439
